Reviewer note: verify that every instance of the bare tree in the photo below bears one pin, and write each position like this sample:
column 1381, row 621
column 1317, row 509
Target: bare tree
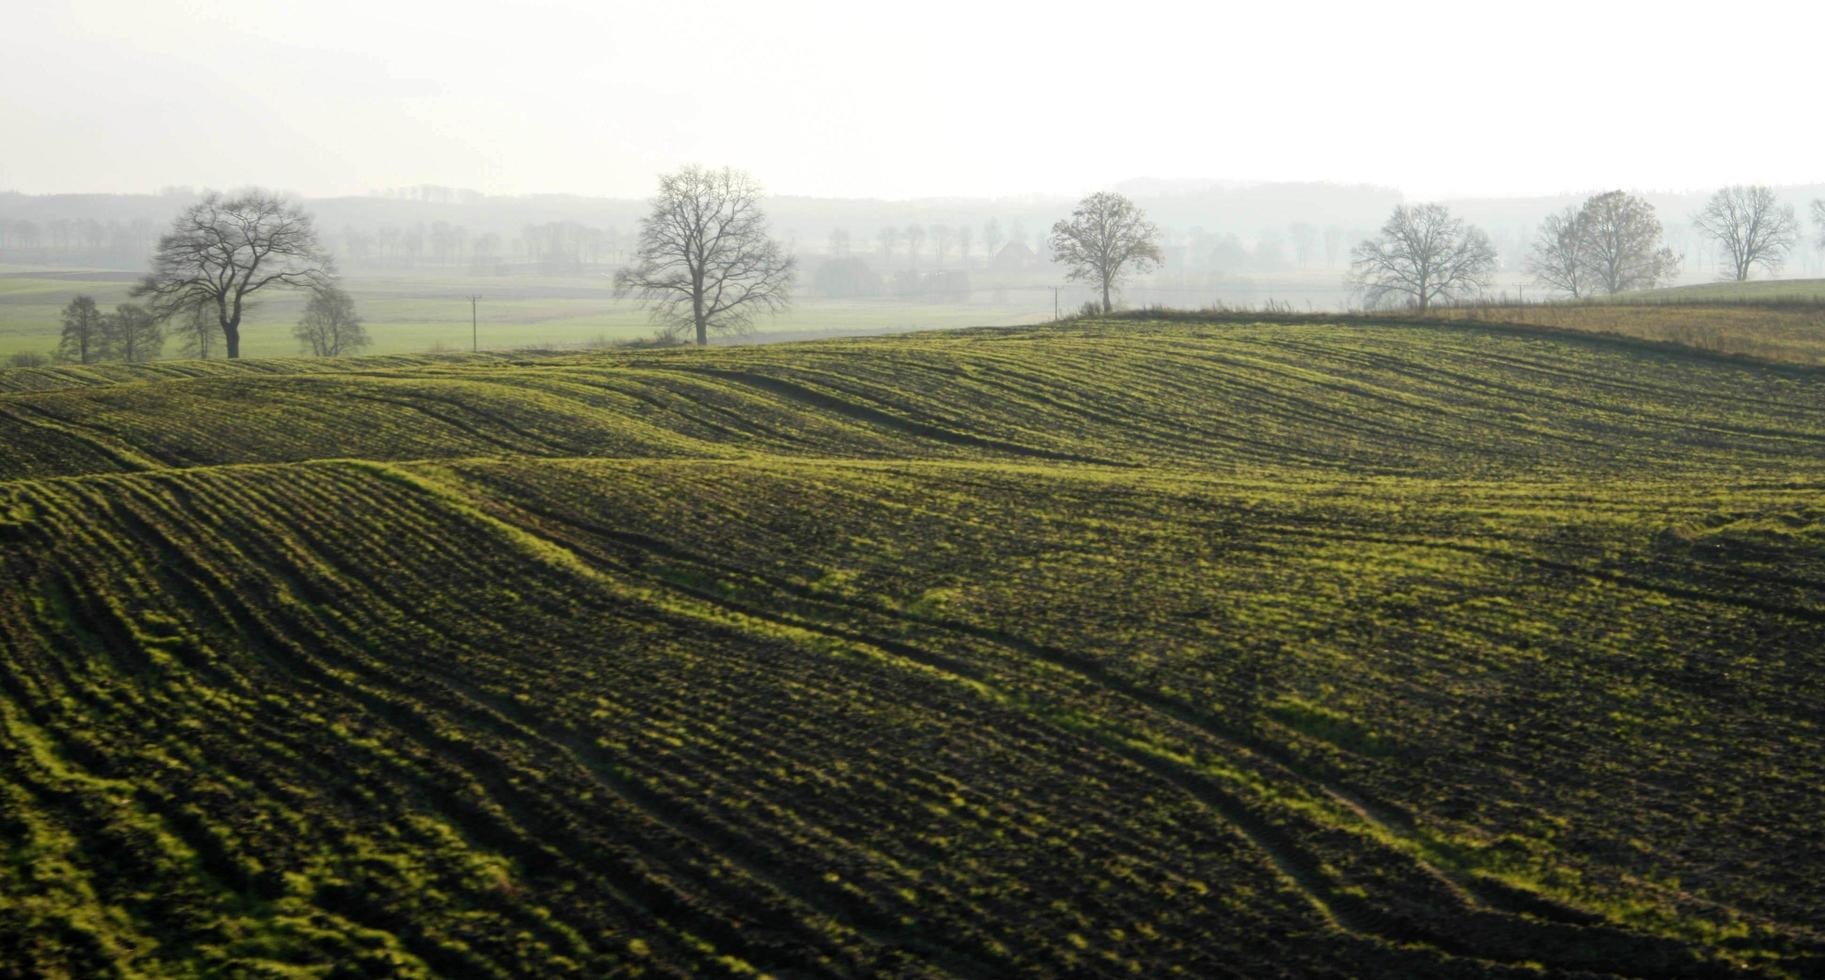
column 839, row 243
column 329, row 326
column 85, row 338
column 915, row 237
column 1610, row 244
column 1106, row 239
column 222, row 250
column 704, row 260
column 1622, row 243
column 135, row 335
column 1305, row 242
column 1424, row 254
column 1750, row 227
column 942, row 236
column 888, row 238
column 965, row 235
column 197, row 330
column 1557, row 259
column 1818, row 220
column 992, row 237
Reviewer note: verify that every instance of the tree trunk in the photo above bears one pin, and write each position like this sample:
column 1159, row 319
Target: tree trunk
column 1107, row 306
column 698, row 319
column 231, row 332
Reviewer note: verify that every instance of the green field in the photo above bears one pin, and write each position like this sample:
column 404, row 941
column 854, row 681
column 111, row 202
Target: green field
column 1099, row 649
column 1753, row 291
column 1788, row 330
column 410, row 312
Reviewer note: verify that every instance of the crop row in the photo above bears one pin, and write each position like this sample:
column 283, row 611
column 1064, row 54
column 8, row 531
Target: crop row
column 1446, row 402
column 544, row 717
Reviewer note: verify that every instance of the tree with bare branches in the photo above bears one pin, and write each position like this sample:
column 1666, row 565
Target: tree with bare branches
column 1557, row 260
column 135, row 334
column 1424, row 254
column 85, row 336
column 1622, row 244
column 1106, row 239
column 197, row 330
column 914, row 236
column 1752, row 229
column 1818, row 220
column 942, row 237
column 329, row 326
column 1610, row 244
column 223, row 250
column 704, row 261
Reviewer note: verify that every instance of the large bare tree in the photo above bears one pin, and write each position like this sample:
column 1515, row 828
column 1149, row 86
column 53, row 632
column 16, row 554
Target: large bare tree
column 1106, row 239
column 1752, row 229
column 1557, row 260
column 1622, row 244
column 222, row 250
column 1423, row 255
column 1818, row 220
column 704, row 261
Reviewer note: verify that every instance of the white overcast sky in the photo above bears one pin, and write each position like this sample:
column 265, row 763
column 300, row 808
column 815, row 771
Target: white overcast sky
column 916, row 99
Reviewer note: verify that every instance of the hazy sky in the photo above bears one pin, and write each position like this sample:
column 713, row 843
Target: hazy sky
column 866, row 98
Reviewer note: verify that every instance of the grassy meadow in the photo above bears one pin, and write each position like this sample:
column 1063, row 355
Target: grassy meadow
column 1775, row 320
column 414, row 312
column 1106, row 648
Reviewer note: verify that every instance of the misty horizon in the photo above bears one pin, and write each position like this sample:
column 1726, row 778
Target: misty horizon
column 950, row 102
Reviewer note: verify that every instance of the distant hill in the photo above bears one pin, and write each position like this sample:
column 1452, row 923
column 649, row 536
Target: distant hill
column 1754, row 291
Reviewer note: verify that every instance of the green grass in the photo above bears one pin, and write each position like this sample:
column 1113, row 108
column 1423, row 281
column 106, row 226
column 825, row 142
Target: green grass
column 1753, row 291
column 413, row 313
column 1119, row 648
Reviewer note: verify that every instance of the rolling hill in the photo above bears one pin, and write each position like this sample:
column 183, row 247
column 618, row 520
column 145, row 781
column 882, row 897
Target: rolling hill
column 1109, row 648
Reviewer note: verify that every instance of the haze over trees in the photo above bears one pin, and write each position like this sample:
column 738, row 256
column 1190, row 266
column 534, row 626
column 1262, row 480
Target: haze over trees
column 83, row 340
column 329, row 326
column 1612, row 243
column 223, row 250
column 134, row 333
column 915, row 240
column 1106, row 239
column 705, row 263
column 1423, row 255
column 197, row 330
column 1751, row 228
column 1557, row 259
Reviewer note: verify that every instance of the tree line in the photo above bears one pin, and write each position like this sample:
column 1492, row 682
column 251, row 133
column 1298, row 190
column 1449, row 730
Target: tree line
column 1611, row 243
column 220, row 254
column 704, row 262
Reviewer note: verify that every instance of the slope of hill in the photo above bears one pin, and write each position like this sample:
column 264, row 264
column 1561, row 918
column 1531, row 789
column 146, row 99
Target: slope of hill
column 1118, row 649
column 1777, row 320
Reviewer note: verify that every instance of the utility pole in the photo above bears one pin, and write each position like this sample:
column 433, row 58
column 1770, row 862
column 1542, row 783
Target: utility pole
column 475, row 332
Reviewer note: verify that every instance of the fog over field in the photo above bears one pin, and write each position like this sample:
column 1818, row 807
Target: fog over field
column 441, row 148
